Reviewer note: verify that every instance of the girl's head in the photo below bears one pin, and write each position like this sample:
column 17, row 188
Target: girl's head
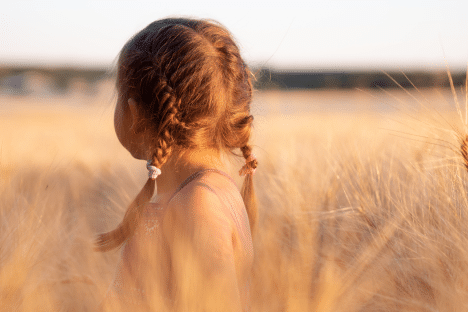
column 193, row 91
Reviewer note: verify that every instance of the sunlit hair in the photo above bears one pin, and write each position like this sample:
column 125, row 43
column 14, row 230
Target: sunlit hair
column 195, row 91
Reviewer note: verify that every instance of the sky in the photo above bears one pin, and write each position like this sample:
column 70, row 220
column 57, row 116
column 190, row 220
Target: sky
column 292, row 34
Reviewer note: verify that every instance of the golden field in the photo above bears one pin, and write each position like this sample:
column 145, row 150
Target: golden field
column 362, row 199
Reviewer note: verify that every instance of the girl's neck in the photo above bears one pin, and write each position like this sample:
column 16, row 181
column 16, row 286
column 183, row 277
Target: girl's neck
column 181, row 166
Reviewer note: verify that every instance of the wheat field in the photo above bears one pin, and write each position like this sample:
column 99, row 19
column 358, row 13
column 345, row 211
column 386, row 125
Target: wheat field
column 362, row 208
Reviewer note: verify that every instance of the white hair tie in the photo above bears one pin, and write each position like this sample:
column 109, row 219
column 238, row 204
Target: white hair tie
column 153, row 171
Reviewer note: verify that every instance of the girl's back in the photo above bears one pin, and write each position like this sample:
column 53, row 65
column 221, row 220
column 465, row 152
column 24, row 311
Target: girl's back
column 145, row 266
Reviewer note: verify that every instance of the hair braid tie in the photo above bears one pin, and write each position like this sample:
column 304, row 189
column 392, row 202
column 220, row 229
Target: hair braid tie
column 153, row 171
column 247, row 169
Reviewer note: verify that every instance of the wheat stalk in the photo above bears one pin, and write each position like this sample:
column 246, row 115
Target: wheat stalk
column 464, row 151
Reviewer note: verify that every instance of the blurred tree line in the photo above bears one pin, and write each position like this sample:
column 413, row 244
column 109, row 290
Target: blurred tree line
column 284, row 79
column 60, row 80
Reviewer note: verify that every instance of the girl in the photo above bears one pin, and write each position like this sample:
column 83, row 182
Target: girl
column 184, row 98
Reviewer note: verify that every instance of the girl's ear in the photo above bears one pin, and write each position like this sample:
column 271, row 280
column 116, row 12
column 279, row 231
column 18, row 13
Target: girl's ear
column 135, row 116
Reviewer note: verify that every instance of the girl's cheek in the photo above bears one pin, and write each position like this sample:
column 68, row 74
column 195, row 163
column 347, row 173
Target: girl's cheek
column 118, row 123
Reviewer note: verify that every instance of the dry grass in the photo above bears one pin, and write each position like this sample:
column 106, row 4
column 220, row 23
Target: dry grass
column 353, row 217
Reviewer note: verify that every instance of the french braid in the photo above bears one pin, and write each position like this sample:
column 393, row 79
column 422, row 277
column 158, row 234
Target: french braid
column 162, row 150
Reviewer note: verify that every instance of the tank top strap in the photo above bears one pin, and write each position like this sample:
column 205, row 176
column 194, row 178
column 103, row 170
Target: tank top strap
column 196, row 175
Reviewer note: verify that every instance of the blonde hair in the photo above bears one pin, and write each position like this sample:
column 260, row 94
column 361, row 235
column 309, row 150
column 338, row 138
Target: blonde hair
column 195, row 91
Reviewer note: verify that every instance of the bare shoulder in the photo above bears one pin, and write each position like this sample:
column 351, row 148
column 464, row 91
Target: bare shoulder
column 195, row 224
column 196, row 209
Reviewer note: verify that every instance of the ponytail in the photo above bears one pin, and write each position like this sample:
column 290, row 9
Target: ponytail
column 126, row 228
column 247, row 190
